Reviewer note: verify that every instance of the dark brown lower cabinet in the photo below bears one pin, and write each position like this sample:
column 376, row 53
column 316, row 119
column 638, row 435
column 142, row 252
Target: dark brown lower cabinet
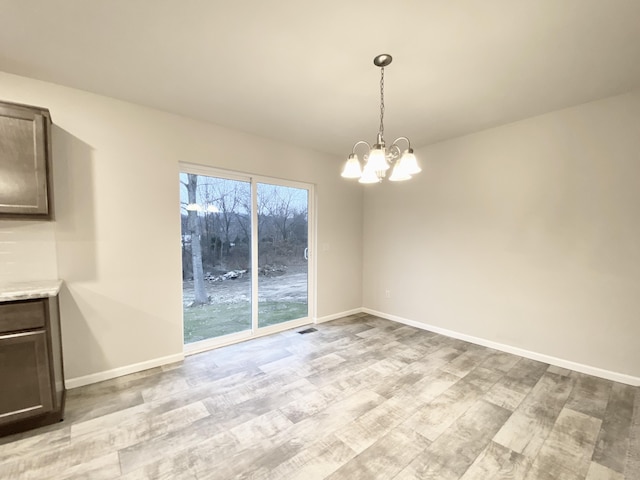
column 31, row 373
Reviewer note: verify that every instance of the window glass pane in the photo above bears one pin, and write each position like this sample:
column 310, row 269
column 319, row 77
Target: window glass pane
column 216, row 256
column 283, row 227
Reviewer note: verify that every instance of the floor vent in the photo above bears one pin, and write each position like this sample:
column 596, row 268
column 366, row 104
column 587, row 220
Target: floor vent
column 308, row 330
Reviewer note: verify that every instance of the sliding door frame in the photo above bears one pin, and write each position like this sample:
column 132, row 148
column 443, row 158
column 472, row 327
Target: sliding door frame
column 257, row 331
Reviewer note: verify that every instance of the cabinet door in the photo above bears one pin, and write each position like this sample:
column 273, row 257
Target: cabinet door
column 24, row 376
column 24, row 151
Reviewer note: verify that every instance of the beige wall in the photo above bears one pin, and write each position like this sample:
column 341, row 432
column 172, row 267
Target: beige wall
column 527, row 235
column 116, row 235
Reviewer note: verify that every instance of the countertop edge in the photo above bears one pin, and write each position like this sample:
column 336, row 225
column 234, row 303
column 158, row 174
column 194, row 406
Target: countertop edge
column 29, row 290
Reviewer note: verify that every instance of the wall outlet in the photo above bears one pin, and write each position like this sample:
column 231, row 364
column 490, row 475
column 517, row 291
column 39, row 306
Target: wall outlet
column 387, row 293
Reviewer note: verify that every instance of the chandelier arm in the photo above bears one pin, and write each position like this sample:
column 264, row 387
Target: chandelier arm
column 395, row 142
column 361, row 142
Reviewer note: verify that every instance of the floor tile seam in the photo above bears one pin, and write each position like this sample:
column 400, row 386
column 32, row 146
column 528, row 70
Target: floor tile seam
column 303, row 464
column 524, row 448
column 433, row 446
column 359, row 369
column 505, row 461
column 406, row 424
column 633, row 456
column 45, row 470
column 273, row 367
column 370, row 390
column 276, row 411
column 587, row 461
column 27, row 448
column 145, row 407
column 245, row 384
column 588, row 457
column 626, row 426
column 352, row 419
column 166, row 405
column 519, row 385
column 538, row 401
column 171, row 427
column 65, row 473
column 271, row 388
column 579, row 413
column 608, row 468
column 164, row 395
column 484, row 397
column 182, row 449
column 439, row 397
column 258, row 451
column 385, row 428
column 501, row 461
column 400, row 469
column 460, row 383
column 561, row 467
column 120, row 466
column 68, row 446
column 118, row 448
column 544, row 440
column 492, row 384
column 280, row 432
column 448, row 430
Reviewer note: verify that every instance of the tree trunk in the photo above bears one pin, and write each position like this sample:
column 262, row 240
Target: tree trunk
column 201, row 296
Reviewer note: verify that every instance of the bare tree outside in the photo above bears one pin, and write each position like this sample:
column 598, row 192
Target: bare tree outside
column 196, row 251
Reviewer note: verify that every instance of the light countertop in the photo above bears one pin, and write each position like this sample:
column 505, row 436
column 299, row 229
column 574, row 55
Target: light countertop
column 26, row 290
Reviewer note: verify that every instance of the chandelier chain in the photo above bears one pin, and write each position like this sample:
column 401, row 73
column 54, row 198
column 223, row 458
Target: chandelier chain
column 381, row 131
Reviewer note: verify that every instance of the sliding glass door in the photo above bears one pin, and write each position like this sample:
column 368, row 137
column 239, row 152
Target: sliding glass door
column 216, row 256
column 245, row 254
column 283, row 260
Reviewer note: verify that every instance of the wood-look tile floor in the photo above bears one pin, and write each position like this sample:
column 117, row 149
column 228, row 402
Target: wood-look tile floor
column 361, row 398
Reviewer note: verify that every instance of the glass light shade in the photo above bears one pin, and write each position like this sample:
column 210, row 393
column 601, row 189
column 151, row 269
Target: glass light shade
column 369, row 176
column 352, row 167
column 409, row 163
column 399, row 174
column 377, row 159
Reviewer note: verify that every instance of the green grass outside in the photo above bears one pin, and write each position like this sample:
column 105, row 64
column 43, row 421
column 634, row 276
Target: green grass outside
column 214, row 320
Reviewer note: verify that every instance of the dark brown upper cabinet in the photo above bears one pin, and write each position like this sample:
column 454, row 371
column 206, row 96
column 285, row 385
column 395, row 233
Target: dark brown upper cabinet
column 25, row 161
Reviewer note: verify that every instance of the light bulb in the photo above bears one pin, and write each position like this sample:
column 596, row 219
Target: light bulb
column 409, row 162
column 352, row 167
column 399, row 174
column 377, row 159
column 369, row 176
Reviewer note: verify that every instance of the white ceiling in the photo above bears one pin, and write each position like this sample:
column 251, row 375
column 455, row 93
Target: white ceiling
column 301, row 71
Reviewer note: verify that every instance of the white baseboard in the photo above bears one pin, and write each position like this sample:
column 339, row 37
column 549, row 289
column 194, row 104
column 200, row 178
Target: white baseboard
column 559, row 362
column 120, row 371
column 336, row 316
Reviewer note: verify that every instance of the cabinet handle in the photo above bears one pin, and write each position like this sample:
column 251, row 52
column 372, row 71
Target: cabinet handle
column 20, row 334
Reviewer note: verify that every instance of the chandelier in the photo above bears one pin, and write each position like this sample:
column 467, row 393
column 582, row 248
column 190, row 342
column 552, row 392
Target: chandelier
column 378, row 159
